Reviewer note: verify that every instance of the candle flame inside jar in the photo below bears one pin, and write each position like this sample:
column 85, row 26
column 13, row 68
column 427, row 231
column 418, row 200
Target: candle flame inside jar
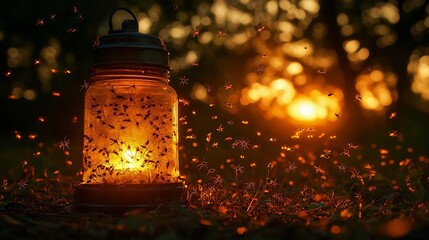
column 129, row 156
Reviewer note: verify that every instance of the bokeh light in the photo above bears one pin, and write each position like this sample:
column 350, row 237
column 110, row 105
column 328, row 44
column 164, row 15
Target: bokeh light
column 377, row 89
column 280, row 99
column 419, row 68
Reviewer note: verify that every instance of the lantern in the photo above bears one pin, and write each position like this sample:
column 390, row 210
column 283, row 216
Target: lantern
column 130, row 146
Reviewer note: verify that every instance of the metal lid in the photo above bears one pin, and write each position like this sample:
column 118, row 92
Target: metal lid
column 127, row 45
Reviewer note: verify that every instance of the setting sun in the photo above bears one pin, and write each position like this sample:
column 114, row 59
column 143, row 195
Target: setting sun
column 303, row 109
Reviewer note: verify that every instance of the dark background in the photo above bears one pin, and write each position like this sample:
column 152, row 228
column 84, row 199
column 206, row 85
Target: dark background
column 77, row 24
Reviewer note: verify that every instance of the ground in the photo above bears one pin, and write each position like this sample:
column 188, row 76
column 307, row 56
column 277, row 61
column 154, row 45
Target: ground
column 43, row 209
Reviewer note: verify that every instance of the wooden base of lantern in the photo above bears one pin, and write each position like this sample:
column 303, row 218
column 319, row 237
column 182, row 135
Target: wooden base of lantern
column 118, row 199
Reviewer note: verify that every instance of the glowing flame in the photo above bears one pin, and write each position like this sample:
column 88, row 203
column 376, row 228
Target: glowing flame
column 129, row 156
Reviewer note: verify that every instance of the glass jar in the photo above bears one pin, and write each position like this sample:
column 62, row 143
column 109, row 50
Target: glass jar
column 130, row 145
column 130, row 127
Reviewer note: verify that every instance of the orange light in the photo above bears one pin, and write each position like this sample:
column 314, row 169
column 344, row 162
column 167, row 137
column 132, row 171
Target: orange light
column 32, row 136
column 335, row 229
column 18, row 135
column 396, row 228
column 241, row 230
column 304, row 110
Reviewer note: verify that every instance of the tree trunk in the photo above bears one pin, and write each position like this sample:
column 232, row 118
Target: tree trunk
column 353, row 125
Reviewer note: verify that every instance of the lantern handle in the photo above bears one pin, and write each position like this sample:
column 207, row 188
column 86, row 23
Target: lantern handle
column 130, row 25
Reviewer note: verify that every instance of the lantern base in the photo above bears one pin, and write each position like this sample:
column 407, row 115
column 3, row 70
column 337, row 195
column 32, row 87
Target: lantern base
column 118, row 199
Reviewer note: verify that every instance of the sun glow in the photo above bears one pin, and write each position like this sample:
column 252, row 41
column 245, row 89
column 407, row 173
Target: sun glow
column 280, row 99
column 303, row 109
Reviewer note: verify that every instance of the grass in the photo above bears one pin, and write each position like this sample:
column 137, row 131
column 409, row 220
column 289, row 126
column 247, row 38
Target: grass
column 42, row 209
column 311, row 190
